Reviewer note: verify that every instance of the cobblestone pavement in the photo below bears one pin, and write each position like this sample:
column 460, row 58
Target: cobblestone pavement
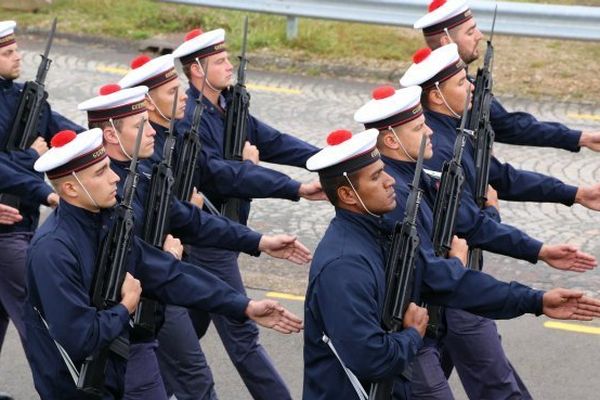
column 311, row 107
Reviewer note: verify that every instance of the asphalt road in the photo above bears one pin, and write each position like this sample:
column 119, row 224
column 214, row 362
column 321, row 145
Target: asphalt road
column 555, row 363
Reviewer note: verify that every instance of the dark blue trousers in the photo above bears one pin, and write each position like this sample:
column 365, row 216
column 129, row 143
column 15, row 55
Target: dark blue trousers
column 474, row 346
column 240, row 339
column 183, row 365
column 429, row 381
column 142, row 377
column 13, row 248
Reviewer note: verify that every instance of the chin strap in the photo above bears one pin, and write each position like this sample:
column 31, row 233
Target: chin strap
column 358, row 196
column 437, row 85
column 119, row 140
column 85, row 190
column 401, row 145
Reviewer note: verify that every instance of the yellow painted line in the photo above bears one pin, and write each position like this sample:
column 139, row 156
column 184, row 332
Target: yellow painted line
column 112, row 70
column 273, row 89
column 591, row 117
column 592, row 330
column 285, row 296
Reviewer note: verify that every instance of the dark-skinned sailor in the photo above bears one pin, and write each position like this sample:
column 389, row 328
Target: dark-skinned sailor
column 398, row 116
column 346, row 284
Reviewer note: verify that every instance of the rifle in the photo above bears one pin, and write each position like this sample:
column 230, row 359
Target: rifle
column 25, row 124
column 235, row 126
column 111, row 268
column 400, row 266
column 445, row 208
column 479, row 123
column 448, row 197
column 158, row 203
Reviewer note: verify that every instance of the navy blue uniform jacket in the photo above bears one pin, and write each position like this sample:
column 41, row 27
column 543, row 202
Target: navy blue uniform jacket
column 524, row 129
column 186, row 221
column 219, row 178
column 60, row 272
column 50, row 123
column 511, row 183
column 19, row 181
column 345, row 297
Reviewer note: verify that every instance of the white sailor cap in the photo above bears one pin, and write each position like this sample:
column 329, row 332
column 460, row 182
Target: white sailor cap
column 390, row 107
column 114, row 103
column 444, row 14
column 200, row 44
column 345, row 153
column 71, row 152
column 7, row 33
column 150, row 72
column 431, row 67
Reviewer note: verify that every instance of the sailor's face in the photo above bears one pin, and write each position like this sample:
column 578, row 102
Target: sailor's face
column 220, row 71
column 467, row 37
column 376, row 188
column 101, row 183
column 455, row 91
column 163, row 97
column 411, row 133
column 128, row 135
column 10, row 62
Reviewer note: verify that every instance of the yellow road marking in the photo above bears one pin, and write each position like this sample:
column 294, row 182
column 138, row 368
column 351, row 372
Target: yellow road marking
column 592, row 330
column 273, row 89
column 286, row 296
column 112, row 70
column 584, row 116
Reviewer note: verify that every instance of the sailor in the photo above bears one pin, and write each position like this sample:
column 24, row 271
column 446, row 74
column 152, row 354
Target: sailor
column 59, row 311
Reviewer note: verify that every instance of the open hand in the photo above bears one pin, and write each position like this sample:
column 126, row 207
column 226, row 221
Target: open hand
column 567, row 257
column 271, row 314
column 312, row 191
column 286, row 247
column 570, row 304
column 9, row 215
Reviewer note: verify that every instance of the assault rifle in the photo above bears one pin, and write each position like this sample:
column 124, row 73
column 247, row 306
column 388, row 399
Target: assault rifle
column 445, row 208
column 188, row 151
column 111, row 267
column 235, row 126
column 479, row 123
column 448, row 197
column 25, row 125
column 158, row 203
column 400, row 266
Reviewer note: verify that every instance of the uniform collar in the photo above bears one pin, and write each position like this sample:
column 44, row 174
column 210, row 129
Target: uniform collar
column 193, row 94
column 376, row 226
column 447, row 119
column 6, row 83
column 83, row 216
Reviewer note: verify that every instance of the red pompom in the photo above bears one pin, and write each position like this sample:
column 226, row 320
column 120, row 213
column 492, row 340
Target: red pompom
column 108, row 89
column 62, row 138
column 337, row 137
column 421, row 54
column 139, row 61
column 192, row 34
column 383, row 92
column 435, row 4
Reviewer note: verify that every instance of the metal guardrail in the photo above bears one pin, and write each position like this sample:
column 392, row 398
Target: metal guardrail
column 521, row 19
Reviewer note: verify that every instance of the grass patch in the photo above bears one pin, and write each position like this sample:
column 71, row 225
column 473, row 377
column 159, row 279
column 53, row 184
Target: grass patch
column 520, row 61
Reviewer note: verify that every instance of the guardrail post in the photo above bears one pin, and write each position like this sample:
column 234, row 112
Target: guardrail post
column 292, row 27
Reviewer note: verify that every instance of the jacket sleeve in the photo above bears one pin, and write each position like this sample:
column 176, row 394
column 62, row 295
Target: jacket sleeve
column 280, row 148
column 524, row 129
column 79, row 327
column 20, row 182
column 175, row 282
column 196, row 227
column 448, row 283
column 480, row 229
column 519, row 185
column 347, row 302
